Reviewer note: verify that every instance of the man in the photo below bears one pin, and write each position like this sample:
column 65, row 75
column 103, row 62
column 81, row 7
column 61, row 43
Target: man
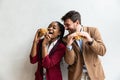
column 82, row 55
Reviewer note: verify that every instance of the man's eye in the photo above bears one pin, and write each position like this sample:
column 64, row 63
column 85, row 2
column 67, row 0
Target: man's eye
column 67, row 25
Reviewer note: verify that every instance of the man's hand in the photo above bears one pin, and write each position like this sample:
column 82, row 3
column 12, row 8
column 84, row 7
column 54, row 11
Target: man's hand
column 85, row 36
column 71, row 38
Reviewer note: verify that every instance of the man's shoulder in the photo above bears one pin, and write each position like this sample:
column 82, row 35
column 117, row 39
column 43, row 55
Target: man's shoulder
column 89, row 28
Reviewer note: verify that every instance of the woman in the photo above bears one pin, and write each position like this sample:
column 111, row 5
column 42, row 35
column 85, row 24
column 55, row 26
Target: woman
column 48, row 52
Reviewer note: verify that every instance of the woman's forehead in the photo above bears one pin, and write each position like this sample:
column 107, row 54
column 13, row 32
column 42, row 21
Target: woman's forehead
column 53, row 24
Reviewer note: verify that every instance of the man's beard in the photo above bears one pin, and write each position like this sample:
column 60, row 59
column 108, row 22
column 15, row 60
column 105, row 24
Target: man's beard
column 72, row 31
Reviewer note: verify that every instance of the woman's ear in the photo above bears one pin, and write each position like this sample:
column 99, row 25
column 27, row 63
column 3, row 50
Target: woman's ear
column 59, row 34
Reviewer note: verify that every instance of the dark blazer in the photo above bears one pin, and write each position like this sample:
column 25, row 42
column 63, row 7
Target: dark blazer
column 51, row 62
column 90, row 54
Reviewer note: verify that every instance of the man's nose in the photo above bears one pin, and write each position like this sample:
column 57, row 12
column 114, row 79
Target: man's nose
column 66, row 27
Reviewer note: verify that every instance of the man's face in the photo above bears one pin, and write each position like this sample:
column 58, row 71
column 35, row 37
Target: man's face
column 70, row 25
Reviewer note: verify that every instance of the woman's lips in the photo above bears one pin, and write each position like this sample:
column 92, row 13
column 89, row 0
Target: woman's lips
column 50, row 32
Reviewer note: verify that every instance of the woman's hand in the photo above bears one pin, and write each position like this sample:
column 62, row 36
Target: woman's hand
column 37, row 38
column 34, row 46
column 47, row 39
column 45, row 43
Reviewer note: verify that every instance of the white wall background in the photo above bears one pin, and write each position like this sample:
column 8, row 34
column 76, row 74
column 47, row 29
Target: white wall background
column 19, row 20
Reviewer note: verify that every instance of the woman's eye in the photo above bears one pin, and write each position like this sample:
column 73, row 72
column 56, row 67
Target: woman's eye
column 54, row 27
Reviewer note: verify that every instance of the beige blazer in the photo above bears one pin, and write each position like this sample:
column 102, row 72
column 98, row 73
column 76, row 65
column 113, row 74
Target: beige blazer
column 90, row 55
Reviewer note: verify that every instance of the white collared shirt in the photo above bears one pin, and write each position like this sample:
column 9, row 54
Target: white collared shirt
column 49, row 49
column 50, row 46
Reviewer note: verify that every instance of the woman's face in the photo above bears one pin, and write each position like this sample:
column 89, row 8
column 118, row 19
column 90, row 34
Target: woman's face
column 54, row 30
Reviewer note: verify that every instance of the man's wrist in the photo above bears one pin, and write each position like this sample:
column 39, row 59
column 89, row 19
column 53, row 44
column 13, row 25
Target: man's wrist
column 90, row 42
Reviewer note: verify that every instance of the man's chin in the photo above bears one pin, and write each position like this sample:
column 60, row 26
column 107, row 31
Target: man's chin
column 71, row 31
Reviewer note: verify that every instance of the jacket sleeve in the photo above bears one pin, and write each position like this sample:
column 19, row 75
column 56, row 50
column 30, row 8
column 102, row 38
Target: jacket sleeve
column 69, row 56
column 98, row 46
column 33, row 59
column 55, row 58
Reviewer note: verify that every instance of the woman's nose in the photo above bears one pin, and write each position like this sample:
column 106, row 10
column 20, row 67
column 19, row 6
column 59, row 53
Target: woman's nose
column 50, row 28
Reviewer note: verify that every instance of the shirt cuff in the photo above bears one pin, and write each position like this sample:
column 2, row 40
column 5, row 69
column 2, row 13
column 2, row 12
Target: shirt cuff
column 69, row 47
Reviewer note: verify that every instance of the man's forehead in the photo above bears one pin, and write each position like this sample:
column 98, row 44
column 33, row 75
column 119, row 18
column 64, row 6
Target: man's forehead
column 67, row 21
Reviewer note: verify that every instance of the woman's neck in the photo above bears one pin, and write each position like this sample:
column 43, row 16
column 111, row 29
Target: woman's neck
column 52, row 40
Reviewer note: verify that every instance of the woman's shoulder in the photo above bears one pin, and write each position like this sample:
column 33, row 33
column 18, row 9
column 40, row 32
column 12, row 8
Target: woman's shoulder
column 61, row 43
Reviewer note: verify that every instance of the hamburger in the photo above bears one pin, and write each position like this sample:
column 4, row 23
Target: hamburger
column 77, row 37
column 42, row 32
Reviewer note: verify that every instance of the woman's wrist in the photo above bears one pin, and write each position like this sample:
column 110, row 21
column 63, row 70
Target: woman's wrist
column 35, row 42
